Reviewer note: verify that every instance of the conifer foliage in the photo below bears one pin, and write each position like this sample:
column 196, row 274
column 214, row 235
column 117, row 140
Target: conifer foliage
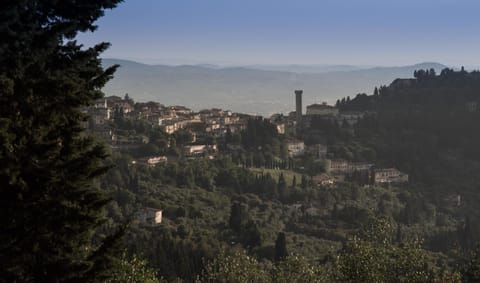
column 49, row 206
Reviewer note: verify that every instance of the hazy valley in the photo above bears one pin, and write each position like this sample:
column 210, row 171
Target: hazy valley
column 253, row 89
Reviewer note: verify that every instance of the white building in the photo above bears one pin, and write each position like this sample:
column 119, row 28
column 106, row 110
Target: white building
column 150, row 216
column 390, row 175
column 351, row 117
column 199, row 150
column 295, row 148
column 322, row 110
column 151, row 161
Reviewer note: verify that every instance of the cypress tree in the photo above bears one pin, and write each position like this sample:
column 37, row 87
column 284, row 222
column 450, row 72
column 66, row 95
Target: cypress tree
column 251, row 236
column 49, row 205
column 237, row 218
column 304, row 182
column 281, row 247
column 282, row 184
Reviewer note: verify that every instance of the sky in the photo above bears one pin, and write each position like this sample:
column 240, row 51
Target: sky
column 245, row 32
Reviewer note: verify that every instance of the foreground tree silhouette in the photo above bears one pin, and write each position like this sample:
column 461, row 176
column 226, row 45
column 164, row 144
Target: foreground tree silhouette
column 49, row 206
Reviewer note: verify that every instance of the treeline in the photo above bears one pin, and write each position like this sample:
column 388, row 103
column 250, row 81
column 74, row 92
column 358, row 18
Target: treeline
column 427, row 91
column 427, row 127
column 219, row 174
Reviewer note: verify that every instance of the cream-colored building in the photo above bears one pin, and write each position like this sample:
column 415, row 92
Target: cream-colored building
column 150, row 216
column 323, row 180
column 295, row 148
column 152, row 160
column 344, row 166
column 199, row 150
column 390, row 175
column 322, row 110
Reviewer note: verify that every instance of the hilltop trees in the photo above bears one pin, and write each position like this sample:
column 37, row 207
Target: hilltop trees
column 49, row 205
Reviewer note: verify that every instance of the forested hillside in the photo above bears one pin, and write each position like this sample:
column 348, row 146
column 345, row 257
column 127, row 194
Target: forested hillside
column 226, row 215
column 429, row 127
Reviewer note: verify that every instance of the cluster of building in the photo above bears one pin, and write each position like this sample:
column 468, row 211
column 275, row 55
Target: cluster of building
column 339, row 167
column 169, row 118
column 209, row 122
column 335, row 167
column 217, row 122
column 332, row 113
column 322, row 111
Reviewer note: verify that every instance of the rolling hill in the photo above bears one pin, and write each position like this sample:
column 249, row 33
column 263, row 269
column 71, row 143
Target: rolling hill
column 252, row 89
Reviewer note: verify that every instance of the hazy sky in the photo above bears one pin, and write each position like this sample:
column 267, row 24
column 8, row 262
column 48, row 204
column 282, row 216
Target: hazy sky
column 365, row 32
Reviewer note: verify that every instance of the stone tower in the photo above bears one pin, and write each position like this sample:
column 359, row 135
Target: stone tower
column 298, row 109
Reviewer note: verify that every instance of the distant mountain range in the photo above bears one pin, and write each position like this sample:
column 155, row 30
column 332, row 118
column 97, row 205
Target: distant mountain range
column 255, row 89
column 318, row 68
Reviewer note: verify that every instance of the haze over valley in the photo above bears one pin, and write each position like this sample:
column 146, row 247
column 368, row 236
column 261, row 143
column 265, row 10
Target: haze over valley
column 254, row 89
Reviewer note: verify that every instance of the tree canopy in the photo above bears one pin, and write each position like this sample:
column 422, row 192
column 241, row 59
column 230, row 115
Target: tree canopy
column 49, row 205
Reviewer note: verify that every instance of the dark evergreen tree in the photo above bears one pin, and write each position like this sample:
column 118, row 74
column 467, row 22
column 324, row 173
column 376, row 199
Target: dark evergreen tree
column 128, row 99
column 467, row 235
column 282, row 188
column 282, row 184
column 49, row 206
column 252, row 236
column 228, row 137
column 281, row 247
column 236, row 217
column 304, row 182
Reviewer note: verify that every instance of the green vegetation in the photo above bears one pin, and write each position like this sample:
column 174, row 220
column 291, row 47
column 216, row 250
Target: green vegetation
column 50, row 206
column 252, row 213
column 288, row 175
column 133, row 269
column 200, row 222
column 417, row 232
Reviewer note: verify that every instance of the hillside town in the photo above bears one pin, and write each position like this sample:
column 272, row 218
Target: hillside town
column 207, row 161
column 205, row 128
